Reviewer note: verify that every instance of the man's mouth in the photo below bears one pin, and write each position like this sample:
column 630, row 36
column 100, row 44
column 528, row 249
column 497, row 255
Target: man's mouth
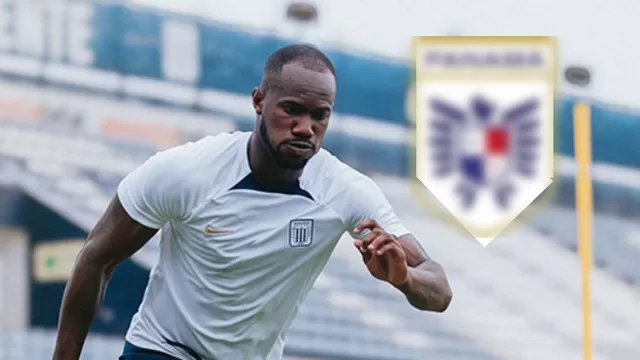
column 301, row 145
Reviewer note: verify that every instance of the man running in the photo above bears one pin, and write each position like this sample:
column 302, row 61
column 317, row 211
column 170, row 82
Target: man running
column 249, row 220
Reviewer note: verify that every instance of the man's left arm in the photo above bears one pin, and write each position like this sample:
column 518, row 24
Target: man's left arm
column 390, row 251
column 403, row 263
column 427, row 287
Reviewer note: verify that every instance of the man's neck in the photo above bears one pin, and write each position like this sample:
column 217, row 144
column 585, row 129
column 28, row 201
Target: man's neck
column 265, row 168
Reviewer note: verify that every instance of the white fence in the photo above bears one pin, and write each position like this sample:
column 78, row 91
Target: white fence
column 39, row 344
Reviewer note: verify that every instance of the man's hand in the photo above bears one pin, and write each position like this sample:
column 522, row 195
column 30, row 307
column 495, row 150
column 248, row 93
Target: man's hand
column 404, row 264
column 382, row 254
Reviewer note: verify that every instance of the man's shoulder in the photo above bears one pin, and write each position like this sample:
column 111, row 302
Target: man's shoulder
column 206, row 151
column 337, row 172
column 214, row 145
column 198, row 162
column 348, row 191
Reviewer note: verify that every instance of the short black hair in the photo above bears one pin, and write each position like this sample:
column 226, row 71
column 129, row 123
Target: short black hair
column 306, row 55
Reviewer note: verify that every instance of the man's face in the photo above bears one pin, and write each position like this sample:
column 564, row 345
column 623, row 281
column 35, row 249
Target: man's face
column 295, row 114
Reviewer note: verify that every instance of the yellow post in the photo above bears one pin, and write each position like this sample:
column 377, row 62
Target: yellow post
column 584, row 210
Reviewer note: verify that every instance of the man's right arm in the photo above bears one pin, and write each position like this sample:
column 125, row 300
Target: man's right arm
column 158, row 191
column 115, row 237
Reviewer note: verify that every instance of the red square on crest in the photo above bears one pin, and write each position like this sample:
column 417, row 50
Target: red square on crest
column 497, row 141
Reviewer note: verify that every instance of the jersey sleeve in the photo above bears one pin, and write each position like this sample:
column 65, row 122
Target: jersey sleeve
column 157, row 191
column 367, row 201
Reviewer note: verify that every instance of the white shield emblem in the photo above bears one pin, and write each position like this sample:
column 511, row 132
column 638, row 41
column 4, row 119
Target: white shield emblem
column 484, row 125
column 300, row 232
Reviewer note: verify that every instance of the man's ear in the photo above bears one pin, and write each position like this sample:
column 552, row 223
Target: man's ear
column 257, row 97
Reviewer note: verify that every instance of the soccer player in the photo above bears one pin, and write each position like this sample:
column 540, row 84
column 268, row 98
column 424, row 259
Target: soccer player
column 249, row 220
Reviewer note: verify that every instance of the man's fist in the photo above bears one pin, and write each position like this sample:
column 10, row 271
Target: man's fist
column 382, row 254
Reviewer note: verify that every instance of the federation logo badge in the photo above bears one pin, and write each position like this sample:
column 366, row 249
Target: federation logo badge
column 484, row 126
column 301, row 232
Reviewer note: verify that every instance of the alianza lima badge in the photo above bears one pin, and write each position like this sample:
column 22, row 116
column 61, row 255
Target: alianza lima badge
column 484, row 126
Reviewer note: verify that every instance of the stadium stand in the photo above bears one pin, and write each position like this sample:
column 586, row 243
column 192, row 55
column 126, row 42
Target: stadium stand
column 75, row 176
column 518, row 299
column 78, row 188
column 615, row 240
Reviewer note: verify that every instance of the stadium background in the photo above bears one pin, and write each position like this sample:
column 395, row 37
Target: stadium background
column 91, row 88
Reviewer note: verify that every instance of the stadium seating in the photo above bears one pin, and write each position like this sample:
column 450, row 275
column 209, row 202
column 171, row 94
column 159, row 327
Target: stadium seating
column 76, row 176
column 517, row 299
column 517, row 268
column 349, row 315
column 615, row 240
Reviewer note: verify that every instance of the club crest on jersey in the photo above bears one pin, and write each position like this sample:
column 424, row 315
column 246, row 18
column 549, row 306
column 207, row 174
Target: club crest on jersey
column 301, row 232
column 484, row 131
column 483, row 148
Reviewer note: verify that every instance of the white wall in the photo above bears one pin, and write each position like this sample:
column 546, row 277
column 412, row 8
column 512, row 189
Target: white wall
column 596, row 33
column 98, row 115
column 14, row 280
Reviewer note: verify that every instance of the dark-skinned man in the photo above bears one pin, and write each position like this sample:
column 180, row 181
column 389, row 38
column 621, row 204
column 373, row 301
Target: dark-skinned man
column 248, row 220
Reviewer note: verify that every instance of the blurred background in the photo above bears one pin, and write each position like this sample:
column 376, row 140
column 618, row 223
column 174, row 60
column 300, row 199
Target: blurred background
column 90, row 89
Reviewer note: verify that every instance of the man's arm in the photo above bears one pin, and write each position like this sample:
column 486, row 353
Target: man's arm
column 403, row 263
column 391, row 253
column 427, row 287
column 115, row 237
column 162, row 189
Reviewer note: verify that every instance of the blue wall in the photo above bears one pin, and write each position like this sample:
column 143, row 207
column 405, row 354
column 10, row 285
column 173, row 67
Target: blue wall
column 232, row 60
column 12, row 202
column 129, row 40
column 42, row 225
column 615, row 133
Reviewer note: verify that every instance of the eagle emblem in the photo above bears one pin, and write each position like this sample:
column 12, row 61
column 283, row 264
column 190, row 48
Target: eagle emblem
column 484, row 147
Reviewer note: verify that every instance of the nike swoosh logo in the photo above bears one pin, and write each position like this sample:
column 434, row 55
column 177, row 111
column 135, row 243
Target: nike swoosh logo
column 211, row 231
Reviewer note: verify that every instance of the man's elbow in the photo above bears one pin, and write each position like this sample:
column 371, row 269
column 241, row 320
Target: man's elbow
column 91, row 260
column 442, row 299
column 441, row 293
column 438, row 301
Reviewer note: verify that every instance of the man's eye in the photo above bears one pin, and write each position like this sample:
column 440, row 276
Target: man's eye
column 320, row 114
column 288, row 109
column 293, row 109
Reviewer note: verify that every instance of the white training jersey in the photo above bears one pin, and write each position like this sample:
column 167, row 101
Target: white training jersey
column 236, row 261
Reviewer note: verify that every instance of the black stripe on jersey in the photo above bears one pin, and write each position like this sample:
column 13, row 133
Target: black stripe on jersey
column 249, row 183
column 189, row 350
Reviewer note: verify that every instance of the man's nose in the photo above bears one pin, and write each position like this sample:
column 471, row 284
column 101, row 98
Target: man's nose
column 303, row 127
